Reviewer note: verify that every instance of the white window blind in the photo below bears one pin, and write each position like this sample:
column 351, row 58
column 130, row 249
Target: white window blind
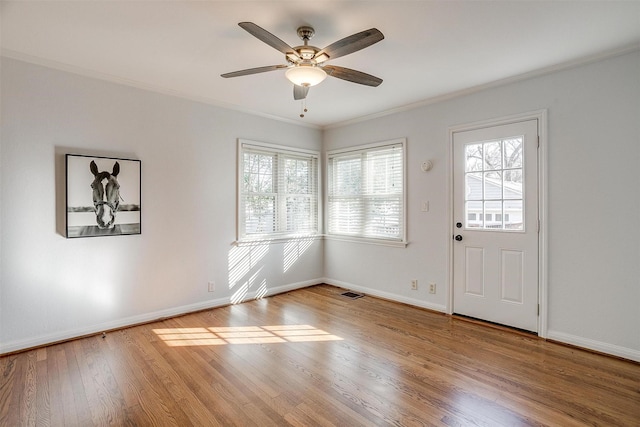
column 278, row 191
column 366, row 195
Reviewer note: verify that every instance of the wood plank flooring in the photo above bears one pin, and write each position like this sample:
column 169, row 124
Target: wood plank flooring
column 312, row 357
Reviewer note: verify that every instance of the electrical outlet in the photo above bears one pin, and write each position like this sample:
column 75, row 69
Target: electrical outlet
column 432, row 288
column 212, row 286
column 414, row 284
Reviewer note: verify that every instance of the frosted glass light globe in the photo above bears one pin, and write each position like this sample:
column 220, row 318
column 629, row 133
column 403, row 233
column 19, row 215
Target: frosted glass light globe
column 305, row 75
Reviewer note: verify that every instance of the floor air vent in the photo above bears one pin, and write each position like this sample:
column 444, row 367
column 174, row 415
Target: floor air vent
column 351, row 295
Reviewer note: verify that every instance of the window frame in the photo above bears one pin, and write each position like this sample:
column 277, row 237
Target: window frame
column 399, row 242
column 282, row 153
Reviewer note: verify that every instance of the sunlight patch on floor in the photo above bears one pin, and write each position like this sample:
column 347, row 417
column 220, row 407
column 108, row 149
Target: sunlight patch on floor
column 182, row 337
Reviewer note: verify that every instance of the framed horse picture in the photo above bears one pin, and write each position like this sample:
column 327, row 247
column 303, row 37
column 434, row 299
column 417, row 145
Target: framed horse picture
column 103, row 196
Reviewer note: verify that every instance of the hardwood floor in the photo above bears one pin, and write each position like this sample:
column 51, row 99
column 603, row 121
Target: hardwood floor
column 312, row 357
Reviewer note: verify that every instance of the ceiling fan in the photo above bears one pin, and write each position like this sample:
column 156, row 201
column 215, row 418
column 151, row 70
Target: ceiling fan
column 306, row 64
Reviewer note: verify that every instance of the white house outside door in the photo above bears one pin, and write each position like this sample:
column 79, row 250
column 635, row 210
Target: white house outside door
column 496, row 224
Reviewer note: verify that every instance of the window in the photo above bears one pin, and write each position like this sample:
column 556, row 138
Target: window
column 366, row 196
column 278, row 191
column 494, row 178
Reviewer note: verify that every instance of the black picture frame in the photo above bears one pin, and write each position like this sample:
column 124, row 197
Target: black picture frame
column 103, row 196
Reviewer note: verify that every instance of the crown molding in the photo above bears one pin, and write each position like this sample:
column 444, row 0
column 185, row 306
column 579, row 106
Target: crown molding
column 634, row 47
column 585, row 60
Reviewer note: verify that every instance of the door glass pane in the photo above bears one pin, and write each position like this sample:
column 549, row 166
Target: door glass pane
column 492, row 156
column 513, row 153
column 473, row 157
column 473, row 186
column 512, row 184
column 492, row 213
column 494, row 185
column 514, row 217
column 474, row 215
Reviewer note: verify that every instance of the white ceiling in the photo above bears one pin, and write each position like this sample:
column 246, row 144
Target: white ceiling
column 431, row 48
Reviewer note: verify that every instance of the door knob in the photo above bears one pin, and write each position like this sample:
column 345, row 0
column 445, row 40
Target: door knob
column 458, row 237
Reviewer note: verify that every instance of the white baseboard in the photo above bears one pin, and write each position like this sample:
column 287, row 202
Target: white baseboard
column 42, row 340
column 279, row 290
column 586, row 343
column 386, row 295
column 18, row 345
column 589, row 344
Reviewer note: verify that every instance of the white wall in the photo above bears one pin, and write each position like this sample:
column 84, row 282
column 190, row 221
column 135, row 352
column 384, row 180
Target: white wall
column 53, row 288
column 593, row 200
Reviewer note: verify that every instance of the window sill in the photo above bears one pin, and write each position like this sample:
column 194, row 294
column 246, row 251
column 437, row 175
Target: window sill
column 368, row 241
column 258, row 241
column 264, row 240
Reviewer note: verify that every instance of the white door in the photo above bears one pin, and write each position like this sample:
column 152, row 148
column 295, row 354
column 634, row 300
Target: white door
column 495, row 208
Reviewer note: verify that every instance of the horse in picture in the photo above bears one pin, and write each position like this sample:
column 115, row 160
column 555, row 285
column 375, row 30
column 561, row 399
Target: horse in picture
column 106, row 195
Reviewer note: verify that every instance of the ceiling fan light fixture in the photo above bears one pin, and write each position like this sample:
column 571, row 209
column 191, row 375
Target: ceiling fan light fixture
column 305, row 75
column 292, row 57
column 322, row 57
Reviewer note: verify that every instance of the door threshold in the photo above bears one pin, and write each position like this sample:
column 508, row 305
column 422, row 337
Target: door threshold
column 494, row 325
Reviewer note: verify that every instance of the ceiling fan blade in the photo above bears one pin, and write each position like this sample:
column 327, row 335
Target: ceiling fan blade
column 353, row 76
column 268, row 38
column 347, row 45
column 300, row 92
column 253, row 71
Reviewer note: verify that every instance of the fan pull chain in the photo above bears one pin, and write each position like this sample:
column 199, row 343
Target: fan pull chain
column 303, row 107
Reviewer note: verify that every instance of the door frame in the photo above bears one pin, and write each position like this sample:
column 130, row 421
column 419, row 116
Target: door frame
column 541, row 117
